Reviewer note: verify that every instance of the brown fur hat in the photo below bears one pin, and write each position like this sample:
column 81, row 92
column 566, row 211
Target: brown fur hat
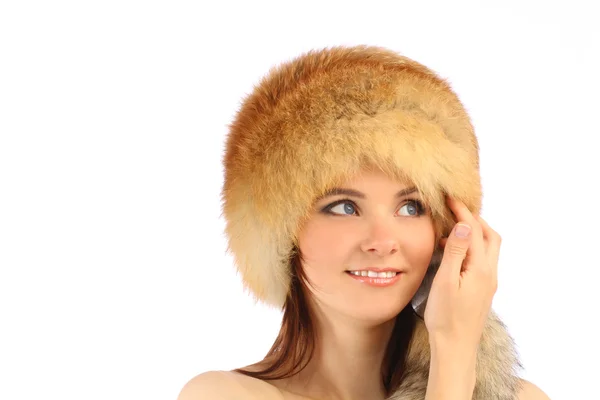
column 315, row 121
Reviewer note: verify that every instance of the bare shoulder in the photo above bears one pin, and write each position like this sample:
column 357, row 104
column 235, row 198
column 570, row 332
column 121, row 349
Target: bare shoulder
column 226, row 385
column 211, row 385
column 529, row 391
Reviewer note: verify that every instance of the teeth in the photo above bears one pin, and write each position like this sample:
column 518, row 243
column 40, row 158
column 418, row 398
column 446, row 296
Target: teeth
column 373, row 274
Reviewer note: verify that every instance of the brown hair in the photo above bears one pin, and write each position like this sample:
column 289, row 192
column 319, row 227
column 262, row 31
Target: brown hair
column 294, row 346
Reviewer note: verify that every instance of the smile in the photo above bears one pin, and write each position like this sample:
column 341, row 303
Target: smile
column 372, row 278
column 374, row 274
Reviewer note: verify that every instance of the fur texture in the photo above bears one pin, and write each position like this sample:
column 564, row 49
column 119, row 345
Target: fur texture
column 496, row 371
column 318, row 119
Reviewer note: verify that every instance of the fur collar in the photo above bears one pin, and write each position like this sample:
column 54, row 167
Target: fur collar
column 496, row 370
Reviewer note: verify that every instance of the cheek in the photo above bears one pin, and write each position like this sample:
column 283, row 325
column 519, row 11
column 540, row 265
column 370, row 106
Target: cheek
column 418, row 249
column 325, row 247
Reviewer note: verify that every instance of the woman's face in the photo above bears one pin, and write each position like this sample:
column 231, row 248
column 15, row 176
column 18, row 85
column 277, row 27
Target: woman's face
column 364, row 227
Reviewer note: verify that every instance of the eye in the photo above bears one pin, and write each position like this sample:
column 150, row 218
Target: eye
column 343, row 206
column 414, row 208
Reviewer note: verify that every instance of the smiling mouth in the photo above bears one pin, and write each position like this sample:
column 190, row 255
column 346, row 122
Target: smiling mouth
column 374, row 274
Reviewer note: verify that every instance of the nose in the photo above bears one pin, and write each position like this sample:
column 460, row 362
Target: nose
column 382, row 239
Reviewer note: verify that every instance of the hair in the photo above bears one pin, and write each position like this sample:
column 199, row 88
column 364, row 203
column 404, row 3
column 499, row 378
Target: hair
column 295, row 344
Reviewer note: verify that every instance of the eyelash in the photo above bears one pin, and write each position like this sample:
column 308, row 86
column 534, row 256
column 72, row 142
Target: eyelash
column 421, row 209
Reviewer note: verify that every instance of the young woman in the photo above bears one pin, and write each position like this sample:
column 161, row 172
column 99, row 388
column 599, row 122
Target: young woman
column 352, row 198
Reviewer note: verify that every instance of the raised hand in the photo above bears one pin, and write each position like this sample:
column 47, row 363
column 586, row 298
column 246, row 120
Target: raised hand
column 462, row 291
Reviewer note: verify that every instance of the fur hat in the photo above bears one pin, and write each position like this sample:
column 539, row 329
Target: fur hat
column 315, row 121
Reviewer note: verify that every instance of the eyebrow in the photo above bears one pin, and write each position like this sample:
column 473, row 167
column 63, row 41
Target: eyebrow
column 360, row 195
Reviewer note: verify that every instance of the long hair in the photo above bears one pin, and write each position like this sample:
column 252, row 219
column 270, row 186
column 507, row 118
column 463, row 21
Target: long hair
column 295, row 344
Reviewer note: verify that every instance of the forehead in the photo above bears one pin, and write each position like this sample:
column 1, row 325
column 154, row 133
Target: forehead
column 360, row 184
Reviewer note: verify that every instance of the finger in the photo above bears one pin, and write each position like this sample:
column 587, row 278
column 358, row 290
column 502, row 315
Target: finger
column 477, row 254
column 455, row 251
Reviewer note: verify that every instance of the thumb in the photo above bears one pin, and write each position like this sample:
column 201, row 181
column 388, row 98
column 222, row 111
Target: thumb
column 455, row 250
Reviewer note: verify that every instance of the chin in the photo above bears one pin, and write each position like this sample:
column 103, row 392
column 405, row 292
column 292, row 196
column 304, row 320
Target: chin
column 377, row 305
column 376, row 312
column 376, row 320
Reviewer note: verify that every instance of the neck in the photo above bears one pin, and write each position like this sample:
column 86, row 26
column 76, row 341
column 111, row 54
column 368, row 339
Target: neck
column 347, row 362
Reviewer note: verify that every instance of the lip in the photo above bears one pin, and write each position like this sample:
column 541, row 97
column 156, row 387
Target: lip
column 381, row 269
column 377, row 269
column 378, row 282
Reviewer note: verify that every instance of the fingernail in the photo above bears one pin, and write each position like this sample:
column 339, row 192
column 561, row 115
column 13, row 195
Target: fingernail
column 462, row 230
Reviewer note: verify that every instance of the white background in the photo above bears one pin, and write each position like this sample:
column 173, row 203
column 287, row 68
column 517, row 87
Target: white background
column 114, row 279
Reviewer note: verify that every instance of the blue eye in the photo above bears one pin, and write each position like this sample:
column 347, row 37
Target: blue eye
column 414, row 208
column 346, row 206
